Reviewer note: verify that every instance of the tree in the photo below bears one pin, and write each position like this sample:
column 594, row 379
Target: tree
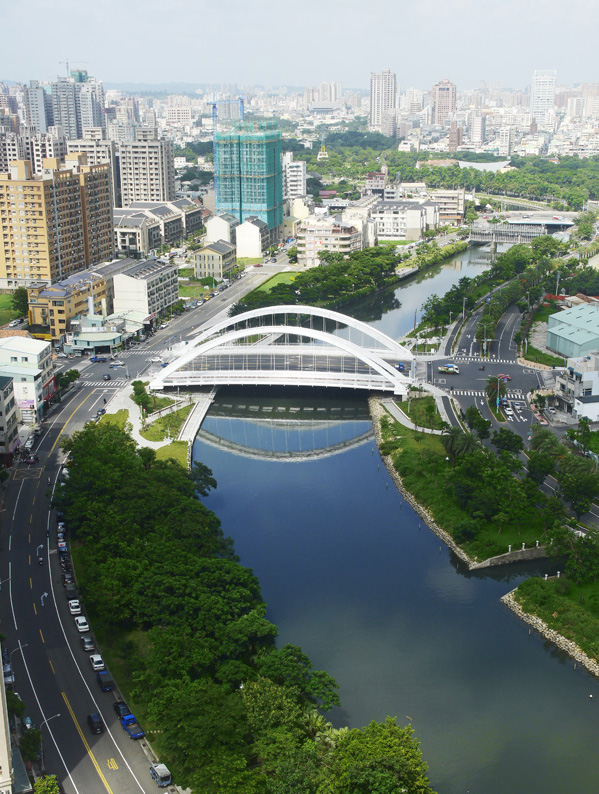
column 202, row 478
column 456, row 443
column 495, row 389
column 382, row 758
column 30, row 744
column 578, row 488
column 16, row 707
column 540, row 464
column 48, row 784
column 507, row 440
column 476, row 421
column 19, row 301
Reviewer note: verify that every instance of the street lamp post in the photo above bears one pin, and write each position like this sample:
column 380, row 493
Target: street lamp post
column 44, row 722
column 10, row 653
column 5, row 580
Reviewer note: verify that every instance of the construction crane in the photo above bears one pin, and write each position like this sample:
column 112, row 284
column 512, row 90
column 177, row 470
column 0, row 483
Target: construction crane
column 66, row 63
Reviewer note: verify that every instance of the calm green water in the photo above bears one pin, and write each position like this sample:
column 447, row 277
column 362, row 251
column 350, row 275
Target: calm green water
column 352, row 575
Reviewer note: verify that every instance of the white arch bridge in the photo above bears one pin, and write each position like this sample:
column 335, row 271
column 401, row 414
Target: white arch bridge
column 291, row 346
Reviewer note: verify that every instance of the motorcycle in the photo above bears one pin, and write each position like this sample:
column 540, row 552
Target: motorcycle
column 482, row 368
column 40, row 560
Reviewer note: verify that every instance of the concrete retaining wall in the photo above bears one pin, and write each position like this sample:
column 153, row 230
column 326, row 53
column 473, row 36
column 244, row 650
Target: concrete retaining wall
column 534, row 553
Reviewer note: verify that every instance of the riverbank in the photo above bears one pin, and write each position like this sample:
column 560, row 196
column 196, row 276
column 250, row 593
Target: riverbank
column 561, row 642
column 377, row 411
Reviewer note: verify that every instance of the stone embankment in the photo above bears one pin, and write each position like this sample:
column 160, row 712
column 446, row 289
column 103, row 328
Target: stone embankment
column 376, row 412
column 557, row 639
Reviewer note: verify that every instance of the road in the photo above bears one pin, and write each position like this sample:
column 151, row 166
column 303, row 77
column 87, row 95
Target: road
column 53, row 674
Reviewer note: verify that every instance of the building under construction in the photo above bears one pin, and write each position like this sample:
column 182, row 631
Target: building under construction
column 248, row 163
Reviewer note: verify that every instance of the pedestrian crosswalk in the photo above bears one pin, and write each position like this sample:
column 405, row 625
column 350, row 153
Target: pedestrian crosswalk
column 513, row 395
column 485, row 360
column 107, row 383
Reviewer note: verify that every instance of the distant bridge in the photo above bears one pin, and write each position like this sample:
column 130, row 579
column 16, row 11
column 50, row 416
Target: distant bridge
column 504, row 233
column 291, row 346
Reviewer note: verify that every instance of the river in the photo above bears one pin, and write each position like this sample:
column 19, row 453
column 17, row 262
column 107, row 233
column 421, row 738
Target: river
column 350, row 573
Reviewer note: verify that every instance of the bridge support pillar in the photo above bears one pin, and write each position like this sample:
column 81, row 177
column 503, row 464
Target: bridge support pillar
column 494, row 248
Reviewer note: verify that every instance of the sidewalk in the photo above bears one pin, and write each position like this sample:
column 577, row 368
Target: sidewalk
column 121, row 400
column 389, row 404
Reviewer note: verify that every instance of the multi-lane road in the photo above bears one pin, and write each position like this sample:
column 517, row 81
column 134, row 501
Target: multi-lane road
column 53, row 674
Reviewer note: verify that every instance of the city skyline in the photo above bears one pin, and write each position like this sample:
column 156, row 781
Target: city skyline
column 461, row 41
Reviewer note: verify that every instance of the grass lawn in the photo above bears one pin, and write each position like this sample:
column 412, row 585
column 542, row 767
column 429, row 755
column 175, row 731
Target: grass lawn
column 278, row 278
column 425, row 347
column 420, row 460
column 195, row 291
column 544, row 311
column 532, row 354
column 568, row 608
column 171, row 423
column 7, row 313
column 160, row 402
column 249, row 260
column 423, row 412
column 119, row 418
column 187, row 272
column 176, row 450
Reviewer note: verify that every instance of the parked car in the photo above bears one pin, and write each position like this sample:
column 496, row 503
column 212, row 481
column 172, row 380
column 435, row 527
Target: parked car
column 121, row 709
column 96, row 662
column 101, row 411
column 31, row 459
column 87, row 643
column 75, row 607
column 81, row 624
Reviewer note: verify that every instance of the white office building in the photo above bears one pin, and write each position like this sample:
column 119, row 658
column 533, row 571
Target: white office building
column 542, row 94
column 383, row 92
column 149, row 286
column 294, row 177
column 29, row 363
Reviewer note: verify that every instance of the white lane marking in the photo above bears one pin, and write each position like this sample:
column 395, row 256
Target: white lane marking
column 12, row 606
column 44, row 720
column 68, row 645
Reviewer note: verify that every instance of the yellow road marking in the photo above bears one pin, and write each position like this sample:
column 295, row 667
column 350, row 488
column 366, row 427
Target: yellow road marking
column 33, row 501
column 52, row 666
column 30, row 559
column 42, row 636
column 112, row 764
column 67, row 421
column 86, row 745
column 31, row 518
column 29, row 541
column 30, row 584
column 34, row 608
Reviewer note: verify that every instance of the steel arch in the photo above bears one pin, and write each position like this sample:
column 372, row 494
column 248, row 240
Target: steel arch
column 390, row 344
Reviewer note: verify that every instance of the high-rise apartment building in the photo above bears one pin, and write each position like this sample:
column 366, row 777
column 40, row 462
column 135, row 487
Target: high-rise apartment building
column 383, row 91
column 39, row 114
column 478, row 127
column 443, row 101
column 249, row 172
column 506, row 141
column 147, row 168
column 294, row 177
column 54, row 223
column 77, row 103
column 542, row 94
column 98, row 149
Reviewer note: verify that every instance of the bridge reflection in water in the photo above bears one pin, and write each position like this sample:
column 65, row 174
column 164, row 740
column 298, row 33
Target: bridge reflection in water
column 295, row 430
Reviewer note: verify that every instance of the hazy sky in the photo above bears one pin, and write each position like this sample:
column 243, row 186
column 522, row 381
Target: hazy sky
column 301, row 43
